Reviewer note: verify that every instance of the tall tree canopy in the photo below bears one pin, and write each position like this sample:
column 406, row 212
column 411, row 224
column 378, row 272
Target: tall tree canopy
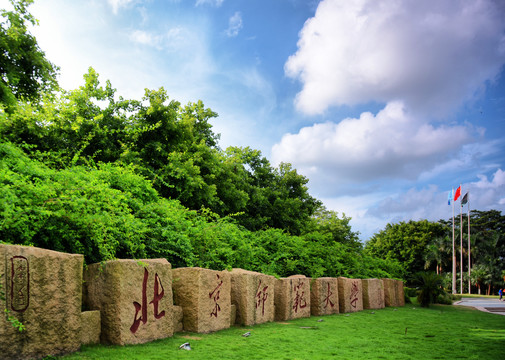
column 405, row 242
column 25, row 72
column 170, row 144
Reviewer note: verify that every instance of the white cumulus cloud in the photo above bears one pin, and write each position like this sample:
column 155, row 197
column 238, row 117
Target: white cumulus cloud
column 431, row 54
column 393, row 143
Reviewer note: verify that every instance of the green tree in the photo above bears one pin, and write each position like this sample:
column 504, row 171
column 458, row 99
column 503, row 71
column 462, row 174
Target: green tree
column 73, row 127
column 25, row 73
column 326, row 221
column 438, row 251
column 488, row 247
column 479, row 276
column 405, row 242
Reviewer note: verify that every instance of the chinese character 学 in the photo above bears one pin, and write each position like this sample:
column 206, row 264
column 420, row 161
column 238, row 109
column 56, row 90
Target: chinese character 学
column 214, row 295
column 143, row 307
column 299, row 299
column 261, row 297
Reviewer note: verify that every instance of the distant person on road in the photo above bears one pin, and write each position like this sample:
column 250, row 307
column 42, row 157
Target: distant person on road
column 500, row 292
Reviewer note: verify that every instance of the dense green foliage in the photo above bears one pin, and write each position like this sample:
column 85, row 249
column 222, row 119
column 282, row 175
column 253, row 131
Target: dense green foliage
column 171, row 145
column 405, row 242
column 108, row 211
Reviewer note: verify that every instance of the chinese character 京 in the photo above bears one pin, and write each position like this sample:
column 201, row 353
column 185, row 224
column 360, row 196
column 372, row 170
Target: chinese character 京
column 215, row 296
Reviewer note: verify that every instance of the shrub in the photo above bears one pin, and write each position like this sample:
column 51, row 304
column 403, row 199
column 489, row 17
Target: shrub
column 430, row 287
column 410, row 292
column 445, row 299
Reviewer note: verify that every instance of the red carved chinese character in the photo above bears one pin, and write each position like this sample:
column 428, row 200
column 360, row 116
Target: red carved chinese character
column 261, row 296
column 215, row 296
column 327, row 299
column 299, row 300
column 354, row 294
column 143, row 308
column 157, row 297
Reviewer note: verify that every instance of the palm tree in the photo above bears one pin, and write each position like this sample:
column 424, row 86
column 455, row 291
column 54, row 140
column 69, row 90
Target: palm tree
column 479, row 276
column 437, row 251
column 430, row 286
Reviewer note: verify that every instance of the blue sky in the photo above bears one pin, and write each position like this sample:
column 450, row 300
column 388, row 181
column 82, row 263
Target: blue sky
column 383, row 105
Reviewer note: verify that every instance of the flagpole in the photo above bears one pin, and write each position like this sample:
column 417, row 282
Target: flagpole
column 469, row 263
column 461, row 247
column 453, row 249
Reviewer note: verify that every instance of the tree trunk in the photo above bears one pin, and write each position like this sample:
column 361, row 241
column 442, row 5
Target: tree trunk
column 478, row 287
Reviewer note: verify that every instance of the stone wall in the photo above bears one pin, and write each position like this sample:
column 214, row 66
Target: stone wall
column 134, row 298
column 253, row 295
column 205, row 298
column 292, row 298
column 350, row 295
column 324, row 296
column 373, row 294
column 42, row 289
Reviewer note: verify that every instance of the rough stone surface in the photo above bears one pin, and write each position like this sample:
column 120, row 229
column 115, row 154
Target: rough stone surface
column 205, row 297
column 134, row 298
column 390, row 296
column 350, row 295
column 42, row 289
column 373, row 294
column 178, row 326
column 253, row 295
column 400, row 295
column 90, row 327
column 324, row 296
column 233, row 314
column 292, row 298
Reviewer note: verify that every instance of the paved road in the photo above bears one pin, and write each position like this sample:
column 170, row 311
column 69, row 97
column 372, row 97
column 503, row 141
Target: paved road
column 494, row 306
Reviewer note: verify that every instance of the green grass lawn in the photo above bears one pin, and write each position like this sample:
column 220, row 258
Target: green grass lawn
column 410, row 332
column 479, row 296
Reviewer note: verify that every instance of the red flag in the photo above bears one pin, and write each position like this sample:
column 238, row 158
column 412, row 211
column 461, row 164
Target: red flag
column 457, row 194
